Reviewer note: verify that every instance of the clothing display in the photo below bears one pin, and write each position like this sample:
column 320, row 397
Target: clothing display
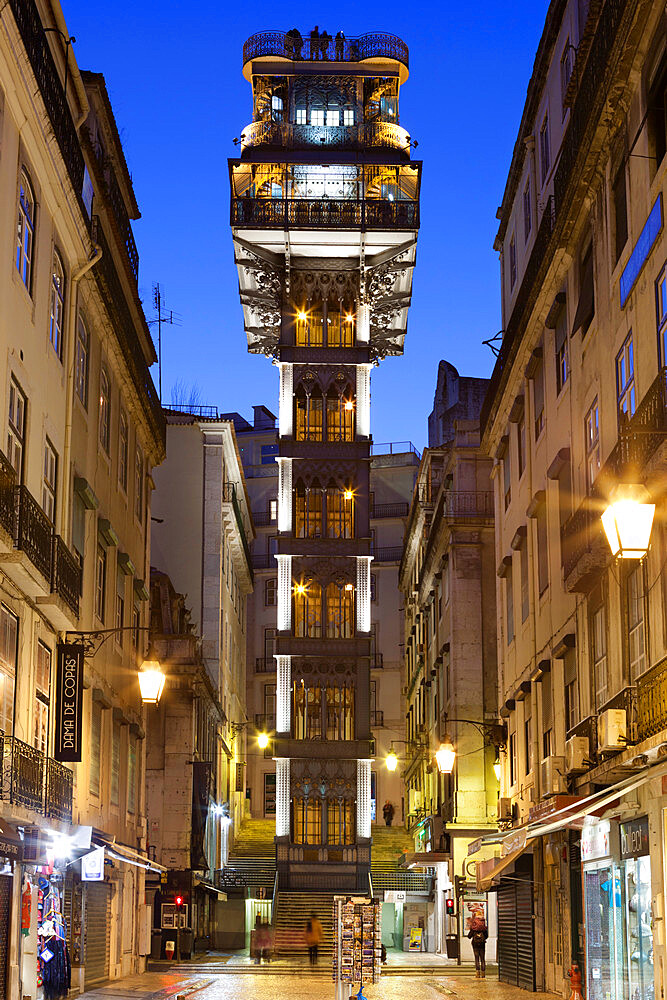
column 54, row 972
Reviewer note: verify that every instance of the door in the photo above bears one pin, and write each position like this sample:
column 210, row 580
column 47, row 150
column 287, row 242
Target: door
column 270, row 794
column 96, row 942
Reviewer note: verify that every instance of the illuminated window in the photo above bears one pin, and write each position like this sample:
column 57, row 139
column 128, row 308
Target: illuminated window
column 308, row 610
column 340, row 327
column 42, row 698
column 340, row 822
column 340, row 512
column 333, row 116
column 317, row 116
column 636, row 629
column 309, row 327
column 309, row 416
column 340, row 611
column 348, row 116
column 307, row 821
column 625, row 379
column 25, row 230
column 308, row 511
column 57, row 304
column 105, row 409
column 340, row 415
column 301, row 116
column 339, row 713
column 592, row 437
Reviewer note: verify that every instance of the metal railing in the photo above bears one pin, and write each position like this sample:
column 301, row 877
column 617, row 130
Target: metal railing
column 265, row 664
column 262, row 518
column 288, row 136
column 58, row 794
column 374, row 45
column 324, row 213
column 116, row 201
column 379, row 510
column 394, row 448
column 652, row 701
column 207, row 410
column 392, row 553
column 34, row 531
column 7, row 503
column 65, row 575
column 22, row 777
column 264, row 560
column 229, row 496
column 462, row 505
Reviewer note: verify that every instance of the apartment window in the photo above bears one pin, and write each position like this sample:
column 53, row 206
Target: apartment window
column 545, row 149
column 445, row 580
column 620, row 211
column 100, row 581
column 523, row 552
column 538, row 398
column 95, row 749
column 636, row 627
column 268, row 454
column 42, row 698
column 25, row 230
column 566, row 65
column 270, row 593
column 661, row 309
column 78, row 527
column 123, row 449
column 105, row 410
column 509, row 603
column 273, row 510
column 57, row 310
column 138, row 484
column 512, row 261
column 16, row 428
column 527, row 211
column 528, row 734
column 547, row 716
column 132, row 776
column 317, row 116
column 562, row 351
column 81, row 361
column 512, row 759
column 542, row 548
column 656, row 104
column 301, row 117
column 136, row 626
column 120, row 605
column 348, row 116
column 625, row 379
column 599, row 647
column 592, row 437
column 586, row 304
column 9, row 627
column 521, row 444
column 49, row 481
column 115, row 765
column 507, row 476
column 571, row 690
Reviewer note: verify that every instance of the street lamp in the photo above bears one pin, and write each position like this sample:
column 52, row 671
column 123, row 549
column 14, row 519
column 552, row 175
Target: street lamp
column 628, row 520
column 496, row 767
column 151, row 680
column 392, row 760
column 151, row 676
column 445, row 756
column 262, row 741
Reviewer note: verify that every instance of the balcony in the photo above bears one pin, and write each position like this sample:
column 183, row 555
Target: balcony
column 265, row 665
column 109, row 186
column 7, row 486
column 380, row 510
column 584, row 550
column 324, row 213
column 370, row 135
column 375, row 45
column 463, row 506
column 262, row 518
column 264, row 560
column 66, row 575
column 393, row 448
column 390, row 554
column 30, row 779
column 652, row 701
column 377, row 719
column 264, row 722
column 34, row 531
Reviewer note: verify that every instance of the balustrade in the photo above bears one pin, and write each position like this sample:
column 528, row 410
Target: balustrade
column 375, row 45
column 364, row 136
column 66, row 575
column 324, row 213
column 59, row 785
column 652, row 701
column 34, row 531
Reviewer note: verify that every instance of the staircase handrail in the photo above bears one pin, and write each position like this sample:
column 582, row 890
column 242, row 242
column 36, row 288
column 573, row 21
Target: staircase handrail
column 370, row 885
column 274, row 901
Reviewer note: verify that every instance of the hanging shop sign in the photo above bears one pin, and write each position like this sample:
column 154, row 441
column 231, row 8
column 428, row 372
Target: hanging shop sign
column 634, row 838
column 92, row 866
column 69, row 702
column 599, row 840
column 10, row 842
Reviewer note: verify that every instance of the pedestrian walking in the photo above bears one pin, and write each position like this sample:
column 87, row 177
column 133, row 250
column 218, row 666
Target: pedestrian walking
column 314, row 934
column 478, row 934
column 388, row 813
column 340, row 46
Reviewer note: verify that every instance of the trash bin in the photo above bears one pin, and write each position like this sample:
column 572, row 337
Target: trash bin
column 452, row 942
column 185, row 939
column 156, row 943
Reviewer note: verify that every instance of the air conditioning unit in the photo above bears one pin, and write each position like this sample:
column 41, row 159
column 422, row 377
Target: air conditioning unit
column 505, row 811
column 612, row 730
column 553, row 776
column 577, row 754
column 414, row 800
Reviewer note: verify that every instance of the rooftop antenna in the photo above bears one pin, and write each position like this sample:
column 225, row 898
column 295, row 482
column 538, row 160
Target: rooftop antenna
column 170, row 318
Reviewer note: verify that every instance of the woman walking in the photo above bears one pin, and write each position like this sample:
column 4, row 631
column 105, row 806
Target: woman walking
column 314, row 935
column 478, row 934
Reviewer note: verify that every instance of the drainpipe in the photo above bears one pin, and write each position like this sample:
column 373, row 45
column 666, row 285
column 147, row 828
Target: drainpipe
column 71, row 340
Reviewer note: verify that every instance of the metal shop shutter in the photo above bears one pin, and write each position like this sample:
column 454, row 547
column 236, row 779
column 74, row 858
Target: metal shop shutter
column 524, row 933
column 508, row 971
column 96, row 944
column 5, row 897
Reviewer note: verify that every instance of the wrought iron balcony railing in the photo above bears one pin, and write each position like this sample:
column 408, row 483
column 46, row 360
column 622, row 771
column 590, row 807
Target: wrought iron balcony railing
column 117, row 203
column 34, row 531
column 22, row 773
column 265, row 722
column 391, row 553
column 263, row 517
column 59, row 785
column 66, row 575
column 368, row 135
column 461, row 506
column 324, row 213
column 652, row 701
column 265, row 665
column 377, row 719
column 7, row 503
column 375, row 45
column 264, row 560
column 379, row 510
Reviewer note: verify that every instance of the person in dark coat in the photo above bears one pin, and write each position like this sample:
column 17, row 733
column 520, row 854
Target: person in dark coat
column 388, row 813
column 478, row 934
column 315, row 43
column 340, row 46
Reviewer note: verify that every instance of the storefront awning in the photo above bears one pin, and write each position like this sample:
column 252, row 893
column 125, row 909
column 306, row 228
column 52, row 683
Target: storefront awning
column 488, row 871
column 119, row 852
column 209, row 887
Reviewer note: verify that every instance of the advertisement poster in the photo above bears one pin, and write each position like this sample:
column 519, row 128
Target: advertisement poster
column 474, row 910
column 415, row 939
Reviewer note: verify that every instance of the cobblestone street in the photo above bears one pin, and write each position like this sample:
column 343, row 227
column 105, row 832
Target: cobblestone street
column 165, row 986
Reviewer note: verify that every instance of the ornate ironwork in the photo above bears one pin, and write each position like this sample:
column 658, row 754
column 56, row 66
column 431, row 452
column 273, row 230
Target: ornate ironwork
column 375, row 45
column 109, row 184
column 463, row 506
column 66, row 575
column 22, row 774
column 59, row 785
column 28, row 20
column 33, row 531
column 324, row 213
column 7, row 504
column 94, row 639
column 652, row 701
column 364, row 136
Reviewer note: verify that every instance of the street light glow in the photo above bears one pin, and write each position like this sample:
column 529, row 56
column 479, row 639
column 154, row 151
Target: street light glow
column 627, row 522
column 262, row 741
column 151, row 681
column 391, row 761
column 445, row 757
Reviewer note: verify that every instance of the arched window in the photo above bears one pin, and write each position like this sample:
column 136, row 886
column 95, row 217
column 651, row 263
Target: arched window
column 340, row 325
column 308, row 510
column 340, row 415
column 105, row 410
column 307, row 821
column 340, row 713
column 81, row 362
column 341, row 827
column 340, row 611
column 309, row 415
column 340, row 512
column 25, row 230
column 57, row 304
column 309, row 327
column 308, row 610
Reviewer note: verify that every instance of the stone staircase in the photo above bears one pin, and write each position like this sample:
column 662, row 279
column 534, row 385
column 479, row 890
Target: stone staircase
column 255, row 840
column 292, row 910
column 389, row 842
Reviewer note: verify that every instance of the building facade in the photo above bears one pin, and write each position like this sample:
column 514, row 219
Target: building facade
column 448, row 582
column 82, row 430
column 576, row 406
column 324, row 214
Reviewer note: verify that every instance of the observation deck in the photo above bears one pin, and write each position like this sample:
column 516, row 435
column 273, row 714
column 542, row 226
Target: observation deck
column 369, row 135
column 375, row 46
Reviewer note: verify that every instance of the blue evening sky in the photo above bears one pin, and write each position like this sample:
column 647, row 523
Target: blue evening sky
column 173, row 71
